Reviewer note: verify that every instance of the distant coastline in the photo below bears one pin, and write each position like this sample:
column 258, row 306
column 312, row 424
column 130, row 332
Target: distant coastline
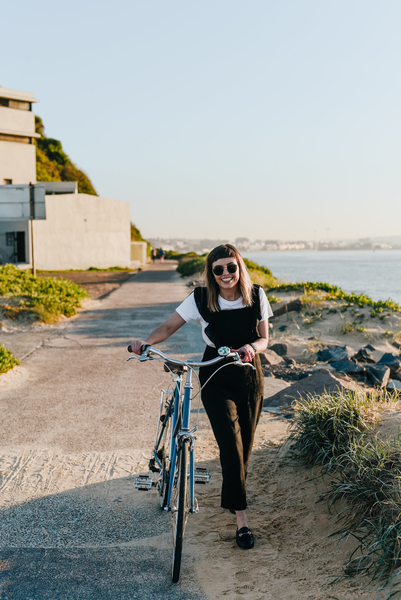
column 245, row 245
column 363, row 272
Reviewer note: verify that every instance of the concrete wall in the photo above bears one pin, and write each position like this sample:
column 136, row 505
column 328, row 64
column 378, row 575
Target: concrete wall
column 82, row 231
column 17, row 162
column 139, row 252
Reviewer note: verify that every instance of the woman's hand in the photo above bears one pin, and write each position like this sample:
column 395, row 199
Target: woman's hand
column 246, row 352
column 136, row 346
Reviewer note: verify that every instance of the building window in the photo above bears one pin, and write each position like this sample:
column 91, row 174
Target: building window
column 8, row 181
column 21, row 139
column 19, row 104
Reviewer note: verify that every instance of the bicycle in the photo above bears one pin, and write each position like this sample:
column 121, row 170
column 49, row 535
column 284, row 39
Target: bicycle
column 174, row 445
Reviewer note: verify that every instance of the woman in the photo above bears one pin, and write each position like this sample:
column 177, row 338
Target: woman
column 232, row 313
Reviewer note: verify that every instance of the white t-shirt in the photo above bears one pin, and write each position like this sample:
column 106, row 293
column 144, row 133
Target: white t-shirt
column 189, row 311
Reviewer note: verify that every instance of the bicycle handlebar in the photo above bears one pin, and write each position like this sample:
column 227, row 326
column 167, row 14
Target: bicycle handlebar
column 147, row 348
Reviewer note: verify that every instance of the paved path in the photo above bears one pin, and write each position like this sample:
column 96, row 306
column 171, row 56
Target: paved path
column 77, row 425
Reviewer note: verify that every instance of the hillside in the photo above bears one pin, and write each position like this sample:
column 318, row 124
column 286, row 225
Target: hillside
column 53, row 164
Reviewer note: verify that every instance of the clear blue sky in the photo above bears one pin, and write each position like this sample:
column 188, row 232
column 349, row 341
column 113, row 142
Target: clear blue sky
column 266, row 119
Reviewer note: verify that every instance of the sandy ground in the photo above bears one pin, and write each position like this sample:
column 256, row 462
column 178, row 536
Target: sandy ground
column 78, row 425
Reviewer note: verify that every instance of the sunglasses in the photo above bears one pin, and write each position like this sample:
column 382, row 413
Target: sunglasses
column 219, row 269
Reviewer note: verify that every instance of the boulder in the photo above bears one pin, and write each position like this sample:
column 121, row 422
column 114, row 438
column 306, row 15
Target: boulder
column 282, row 309
column 280, row 348
column 378, row 375
column 347, row 366
column 393, row 361
column 314, row 385
column 393, row 385
column 335, row 354
column 269, row 357
column 364, row 356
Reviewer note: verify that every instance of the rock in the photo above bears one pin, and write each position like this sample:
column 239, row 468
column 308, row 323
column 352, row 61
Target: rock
column 393, row 385
column 287, row 307
column 283, row 328
column 392, row 361
column 347, row 366
column 280, row 348
column 335, row 354
column 315, row 385
column 378, row 374
column 288, row 373
column 363, row 355
column 397, row 375
column 269, row 357
column 290, row 361
column 369, row 347
column 273, row 385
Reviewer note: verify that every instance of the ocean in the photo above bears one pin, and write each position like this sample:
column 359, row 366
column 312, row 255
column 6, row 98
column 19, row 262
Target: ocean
column 376, row 273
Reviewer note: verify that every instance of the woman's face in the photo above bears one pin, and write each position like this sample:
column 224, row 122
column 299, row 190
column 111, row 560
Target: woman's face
column 226, row 280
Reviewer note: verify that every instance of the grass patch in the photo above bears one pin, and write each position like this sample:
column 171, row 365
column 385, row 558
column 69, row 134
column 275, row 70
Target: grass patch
column 336, row 432
column 368, row 492
column 333, row 292
column 7, row 360
column 324, row 427
column 47, row 297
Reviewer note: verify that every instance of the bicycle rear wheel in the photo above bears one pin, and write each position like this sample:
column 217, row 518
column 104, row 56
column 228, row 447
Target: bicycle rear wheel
column 181, row 505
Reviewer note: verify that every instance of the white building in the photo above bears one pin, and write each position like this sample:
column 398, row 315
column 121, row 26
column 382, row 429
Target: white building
column 79, row 230
column 17, row 130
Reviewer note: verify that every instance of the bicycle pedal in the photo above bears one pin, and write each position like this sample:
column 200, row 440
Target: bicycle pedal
column 143, row 482
column 202, row 475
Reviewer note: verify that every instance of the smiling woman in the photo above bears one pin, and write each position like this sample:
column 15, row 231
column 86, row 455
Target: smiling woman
column 233, row 313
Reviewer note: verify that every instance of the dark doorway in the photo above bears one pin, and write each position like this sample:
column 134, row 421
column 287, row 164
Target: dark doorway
column 17, row 239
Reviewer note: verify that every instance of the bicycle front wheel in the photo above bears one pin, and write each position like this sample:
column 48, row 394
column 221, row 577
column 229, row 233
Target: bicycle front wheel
column 182, row 506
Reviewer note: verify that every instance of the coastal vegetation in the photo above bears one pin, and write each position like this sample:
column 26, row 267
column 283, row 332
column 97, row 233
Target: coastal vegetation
column 191, row 264
column 336, row 433
column 43, row 298
column 7, row 360
column 53, row 164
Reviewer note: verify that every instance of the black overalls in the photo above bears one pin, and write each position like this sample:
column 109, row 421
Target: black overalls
column 233, row 398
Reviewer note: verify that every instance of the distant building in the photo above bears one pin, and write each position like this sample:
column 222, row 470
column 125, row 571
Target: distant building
column 75, row 231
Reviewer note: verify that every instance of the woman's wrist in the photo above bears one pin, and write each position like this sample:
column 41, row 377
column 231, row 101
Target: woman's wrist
column 253, row 346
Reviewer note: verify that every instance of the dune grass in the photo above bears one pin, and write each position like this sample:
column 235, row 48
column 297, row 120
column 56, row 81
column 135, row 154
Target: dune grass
column 46, row 298
column 336, row 432
column 324, row 427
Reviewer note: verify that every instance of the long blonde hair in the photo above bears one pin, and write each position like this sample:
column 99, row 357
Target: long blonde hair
column 245, row 283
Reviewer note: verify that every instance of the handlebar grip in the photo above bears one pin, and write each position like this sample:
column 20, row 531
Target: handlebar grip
column 143, row 348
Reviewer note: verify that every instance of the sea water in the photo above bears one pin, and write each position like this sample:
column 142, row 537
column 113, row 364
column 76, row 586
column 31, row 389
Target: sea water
column 375, row 273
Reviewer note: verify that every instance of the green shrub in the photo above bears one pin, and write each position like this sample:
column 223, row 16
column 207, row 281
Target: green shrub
column 53, row 164
column 325, row 426
column 191, row 267
column 7, row 359
column 49, row 297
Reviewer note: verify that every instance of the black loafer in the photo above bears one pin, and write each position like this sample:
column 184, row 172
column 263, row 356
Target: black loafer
column 245, row 538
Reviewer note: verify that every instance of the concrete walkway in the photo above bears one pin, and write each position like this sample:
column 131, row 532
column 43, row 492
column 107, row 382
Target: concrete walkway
column 78, row 423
